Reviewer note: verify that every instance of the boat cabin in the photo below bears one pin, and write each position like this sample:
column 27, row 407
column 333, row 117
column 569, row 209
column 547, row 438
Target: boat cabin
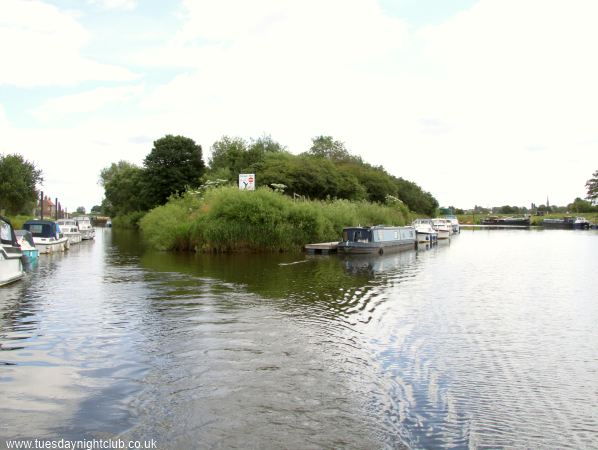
column 43, row 229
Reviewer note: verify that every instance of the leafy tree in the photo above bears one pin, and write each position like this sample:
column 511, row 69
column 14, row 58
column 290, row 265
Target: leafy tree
column 174, row 164
column 18, row 181
column 415, row 197
column 237, row 156
column 125, row 189
column 312, row 177
column 80, row 210
column 580, row 206
column 96, row 209
column 592, row 187
column 327, row 147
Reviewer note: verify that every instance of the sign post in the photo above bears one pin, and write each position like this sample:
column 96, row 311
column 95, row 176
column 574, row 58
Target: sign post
column 247, row 181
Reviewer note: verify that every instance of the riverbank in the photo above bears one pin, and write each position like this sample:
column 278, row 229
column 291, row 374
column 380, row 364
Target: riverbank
column 476, row 219
column 227, row 220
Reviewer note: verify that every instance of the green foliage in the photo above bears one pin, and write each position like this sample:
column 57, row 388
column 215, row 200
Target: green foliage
column 315, row 178
column 124, row 189
column 415, row 198
column 174, row 164
column 18, row 221
column 592, row 187
column 80, row 210
column 229, row 220
column 581, row 206
column 327, row 147
column 129, row 220
column 18, row 181
column 96, row 209
column 232, row 156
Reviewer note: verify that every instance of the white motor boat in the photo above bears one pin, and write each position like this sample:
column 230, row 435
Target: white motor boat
column 454, row 224
column 47, row 236
column 85, row 228
column 443, row 226
column 424, row 231
column 70, row 229
column 11, row 257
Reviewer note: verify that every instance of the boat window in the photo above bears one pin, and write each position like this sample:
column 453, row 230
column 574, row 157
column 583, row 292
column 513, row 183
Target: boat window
column 5, row 232
column 396, row 235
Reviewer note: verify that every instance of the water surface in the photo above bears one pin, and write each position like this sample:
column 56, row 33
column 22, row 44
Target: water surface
column 487, row 342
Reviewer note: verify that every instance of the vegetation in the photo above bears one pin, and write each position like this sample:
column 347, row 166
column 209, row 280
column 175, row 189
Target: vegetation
column 174, row 164
column 226, row 219
column 592, row 188
column 326, row 171
column 18, row 184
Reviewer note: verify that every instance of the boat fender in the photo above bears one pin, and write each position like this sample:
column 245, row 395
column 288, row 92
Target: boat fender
column 381, row 251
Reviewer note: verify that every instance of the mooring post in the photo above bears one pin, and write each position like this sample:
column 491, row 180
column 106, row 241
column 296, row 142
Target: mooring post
column 41, row 205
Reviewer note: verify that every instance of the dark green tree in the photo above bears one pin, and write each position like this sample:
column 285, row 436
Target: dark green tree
column 592, row 187
column 327, row 147
column 174, row 164
column 18, row 184
column 80, row 210
column 96, row 209
column 125, row 189
column 232, row 156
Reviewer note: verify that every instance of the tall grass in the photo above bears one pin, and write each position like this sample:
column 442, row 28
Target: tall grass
column 228, row 220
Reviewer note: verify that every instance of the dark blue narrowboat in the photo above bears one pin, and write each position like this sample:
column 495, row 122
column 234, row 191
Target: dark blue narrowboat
column 377, row 239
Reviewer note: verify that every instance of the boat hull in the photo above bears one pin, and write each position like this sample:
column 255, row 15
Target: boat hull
column 74, row 238
column 426, row 237
column 11, row 268
column 56, row 246
column 362, row 248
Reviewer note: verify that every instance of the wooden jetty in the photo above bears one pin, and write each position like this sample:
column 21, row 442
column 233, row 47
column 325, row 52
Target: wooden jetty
column 323, row 248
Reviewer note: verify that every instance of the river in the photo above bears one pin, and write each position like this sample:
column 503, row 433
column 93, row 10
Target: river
column 489, row 341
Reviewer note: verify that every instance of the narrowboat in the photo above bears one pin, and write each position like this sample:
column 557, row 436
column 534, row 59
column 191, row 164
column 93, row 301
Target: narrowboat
column 30, row 252
column 377, row 239
column 507, row 221
column 70, row 229
column 11, row 257
column 85, row 228
column 47, row 236
column 567, row 223
column 424, row 231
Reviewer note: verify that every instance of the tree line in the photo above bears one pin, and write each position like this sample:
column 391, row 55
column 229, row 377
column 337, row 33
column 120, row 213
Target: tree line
column 326, row 170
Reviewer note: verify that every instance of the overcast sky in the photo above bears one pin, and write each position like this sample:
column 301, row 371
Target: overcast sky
column 487, row 102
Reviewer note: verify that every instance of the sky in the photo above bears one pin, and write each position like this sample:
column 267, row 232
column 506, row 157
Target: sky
column 488, row 102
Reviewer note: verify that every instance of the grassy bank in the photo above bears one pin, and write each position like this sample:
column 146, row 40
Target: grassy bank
column 535, row 220
column 18, row 221
column 229, row 220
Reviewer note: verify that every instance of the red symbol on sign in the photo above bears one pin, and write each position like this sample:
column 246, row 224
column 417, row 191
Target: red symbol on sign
column 251, row 179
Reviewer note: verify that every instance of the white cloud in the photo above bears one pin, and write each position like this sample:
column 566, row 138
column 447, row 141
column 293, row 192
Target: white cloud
column 127, row 5
column 41, row 46
column 85, row 102
column 455, row 107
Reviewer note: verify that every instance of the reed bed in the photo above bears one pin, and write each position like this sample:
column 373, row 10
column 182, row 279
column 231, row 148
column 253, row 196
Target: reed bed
column 229, row 220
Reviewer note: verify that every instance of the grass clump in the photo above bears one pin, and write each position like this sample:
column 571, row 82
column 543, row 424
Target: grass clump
column 229, row 220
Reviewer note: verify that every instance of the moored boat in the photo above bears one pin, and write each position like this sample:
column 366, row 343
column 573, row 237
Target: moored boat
column 11, row 257
column 507, row 221
column 85, row 228
column 25, row 241
column 581, row 223
column 47, row 236
column 454, row 224
column 443, row 227
column 424, row 231
column 376, row 239
column 70, row 229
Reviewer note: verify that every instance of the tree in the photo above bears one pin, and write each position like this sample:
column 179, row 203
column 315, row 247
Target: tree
column 96, row 209
column 327, row 147
column 174, row 164
column 580, row 206
column 125, row 189
column 232, row 156
column 80, row 210
column 592, row 187
column 18, row 183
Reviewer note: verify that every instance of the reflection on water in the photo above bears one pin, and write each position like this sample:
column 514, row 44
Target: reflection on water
column 488, row 341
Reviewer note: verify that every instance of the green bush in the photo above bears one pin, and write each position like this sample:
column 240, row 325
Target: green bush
column 128, row 221
column 229, row 220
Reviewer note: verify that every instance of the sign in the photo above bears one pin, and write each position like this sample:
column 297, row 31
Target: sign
column 247, row 181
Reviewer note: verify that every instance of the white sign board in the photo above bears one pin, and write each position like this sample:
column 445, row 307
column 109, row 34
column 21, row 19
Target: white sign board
column 247, row 181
